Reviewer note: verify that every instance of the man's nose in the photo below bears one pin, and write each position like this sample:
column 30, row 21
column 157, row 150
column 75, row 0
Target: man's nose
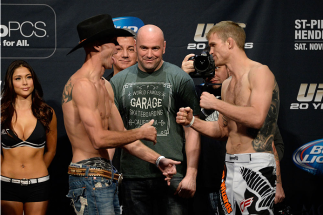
column 125, row 53
column 149, row 53
column 211, row 51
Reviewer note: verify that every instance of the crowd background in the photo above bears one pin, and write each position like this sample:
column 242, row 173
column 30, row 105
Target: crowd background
column 285, row 35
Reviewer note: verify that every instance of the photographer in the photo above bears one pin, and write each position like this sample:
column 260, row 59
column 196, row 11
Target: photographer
column 212, row 155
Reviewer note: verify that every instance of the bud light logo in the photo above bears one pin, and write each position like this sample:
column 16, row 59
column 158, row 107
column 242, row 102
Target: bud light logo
column 130, row 22
column 309, row 157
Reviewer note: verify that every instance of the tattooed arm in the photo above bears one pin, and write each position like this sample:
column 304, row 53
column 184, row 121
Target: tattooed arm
column 280, row 194
column 265, row 136
column 67, row 92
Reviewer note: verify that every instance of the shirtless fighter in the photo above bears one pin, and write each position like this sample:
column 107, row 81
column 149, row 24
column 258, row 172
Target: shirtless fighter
column 93, row 124
column 248, row 115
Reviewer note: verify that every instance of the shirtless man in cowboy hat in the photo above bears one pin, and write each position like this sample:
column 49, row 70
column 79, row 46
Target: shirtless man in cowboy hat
column 93, row 124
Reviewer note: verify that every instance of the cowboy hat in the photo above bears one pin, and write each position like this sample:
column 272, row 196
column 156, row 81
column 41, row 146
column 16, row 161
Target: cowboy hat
column 98, row 27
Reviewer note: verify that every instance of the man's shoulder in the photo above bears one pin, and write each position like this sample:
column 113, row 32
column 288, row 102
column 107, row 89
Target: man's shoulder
column 122, row 74
column 256, row 67
column 81, row 82
column 170, row 66
column 82, row 86
column 174, row 70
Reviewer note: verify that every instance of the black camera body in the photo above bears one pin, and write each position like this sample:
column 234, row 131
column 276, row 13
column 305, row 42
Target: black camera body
column 204, row 65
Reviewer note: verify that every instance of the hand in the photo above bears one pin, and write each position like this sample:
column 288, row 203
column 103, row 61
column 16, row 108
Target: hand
column 184, row 116
column 188, row 65
column 168, row 168
column 186, row 187
column 149, row 131
column 208, row 101
column 280, row 194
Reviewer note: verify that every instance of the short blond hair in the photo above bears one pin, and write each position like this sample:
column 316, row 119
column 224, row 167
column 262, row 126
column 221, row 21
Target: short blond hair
column 226, row 29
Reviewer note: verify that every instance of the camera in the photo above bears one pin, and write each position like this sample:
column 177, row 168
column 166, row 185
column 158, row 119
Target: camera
column 204, row 65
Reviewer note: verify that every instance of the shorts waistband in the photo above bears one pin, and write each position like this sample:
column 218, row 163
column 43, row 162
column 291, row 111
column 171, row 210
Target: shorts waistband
column 25, row 182
column 95, row 162
column 246, row 158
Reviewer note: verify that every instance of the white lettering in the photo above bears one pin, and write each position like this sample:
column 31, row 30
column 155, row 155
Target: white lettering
column 306, row 157
column 24, row 29
column 298, row 24
column 316, row 150
column 143, row 103
column 316, row 46
column 3, row 31
column 40, row 29
column 316, row 106
column 308, row 34
column 319, row 159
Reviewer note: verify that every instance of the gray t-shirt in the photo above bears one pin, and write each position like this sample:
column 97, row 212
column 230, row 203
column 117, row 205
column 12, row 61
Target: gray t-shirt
column 142, row 96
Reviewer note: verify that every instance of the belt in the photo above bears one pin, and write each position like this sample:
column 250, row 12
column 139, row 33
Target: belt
column 94, row 172
column 25, row 182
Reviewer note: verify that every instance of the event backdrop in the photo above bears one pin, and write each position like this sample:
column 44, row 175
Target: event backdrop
column 285, row 35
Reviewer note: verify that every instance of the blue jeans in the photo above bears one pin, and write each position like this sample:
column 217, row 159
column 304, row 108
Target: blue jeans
column 152, row 197
column 93, row 195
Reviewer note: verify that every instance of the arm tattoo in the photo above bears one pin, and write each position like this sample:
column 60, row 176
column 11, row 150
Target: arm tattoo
column 225, row 121
column 265, row 136
column 67, row 92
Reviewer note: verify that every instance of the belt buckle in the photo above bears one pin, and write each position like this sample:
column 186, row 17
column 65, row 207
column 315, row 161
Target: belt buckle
column 120, row 178
column 24, row 182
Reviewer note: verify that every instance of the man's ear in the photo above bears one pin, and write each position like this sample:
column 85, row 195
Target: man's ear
column 97, row 45
column 231, row 43
column 164, row 47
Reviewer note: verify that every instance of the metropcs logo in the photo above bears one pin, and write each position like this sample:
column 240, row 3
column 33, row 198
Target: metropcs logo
column 309, row 93
column 309, row 157
column 130, row 22
column 200, row 37
column 27, row 31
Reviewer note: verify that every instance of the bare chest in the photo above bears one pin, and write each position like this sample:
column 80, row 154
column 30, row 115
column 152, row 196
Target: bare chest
column 238, row 93
column 104, row 104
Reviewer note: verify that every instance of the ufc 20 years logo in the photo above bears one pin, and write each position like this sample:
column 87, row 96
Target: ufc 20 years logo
column 309, row 96
column 200, row 37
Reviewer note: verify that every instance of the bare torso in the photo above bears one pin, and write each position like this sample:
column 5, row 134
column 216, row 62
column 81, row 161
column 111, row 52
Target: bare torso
column 81, row 144
column 24, row 162
column 243, row 139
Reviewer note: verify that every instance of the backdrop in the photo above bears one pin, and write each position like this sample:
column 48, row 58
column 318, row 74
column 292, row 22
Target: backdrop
column 285, row 35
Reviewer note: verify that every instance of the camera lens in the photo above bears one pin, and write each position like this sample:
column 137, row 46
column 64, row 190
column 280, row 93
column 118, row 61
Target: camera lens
column 201, row 63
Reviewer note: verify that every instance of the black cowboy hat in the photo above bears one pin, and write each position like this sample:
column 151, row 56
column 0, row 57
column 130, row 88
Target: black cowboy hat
column 98, row 27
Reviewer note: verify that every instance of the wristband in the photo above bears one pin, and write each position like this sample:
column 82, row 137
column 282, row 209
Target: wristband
column 191, row 123
column 158, row 159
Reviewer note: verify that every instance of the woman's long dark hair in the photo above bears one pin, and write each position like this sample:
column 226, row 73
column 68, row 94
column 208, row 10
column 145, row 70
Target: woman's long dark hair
column 40, row 109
